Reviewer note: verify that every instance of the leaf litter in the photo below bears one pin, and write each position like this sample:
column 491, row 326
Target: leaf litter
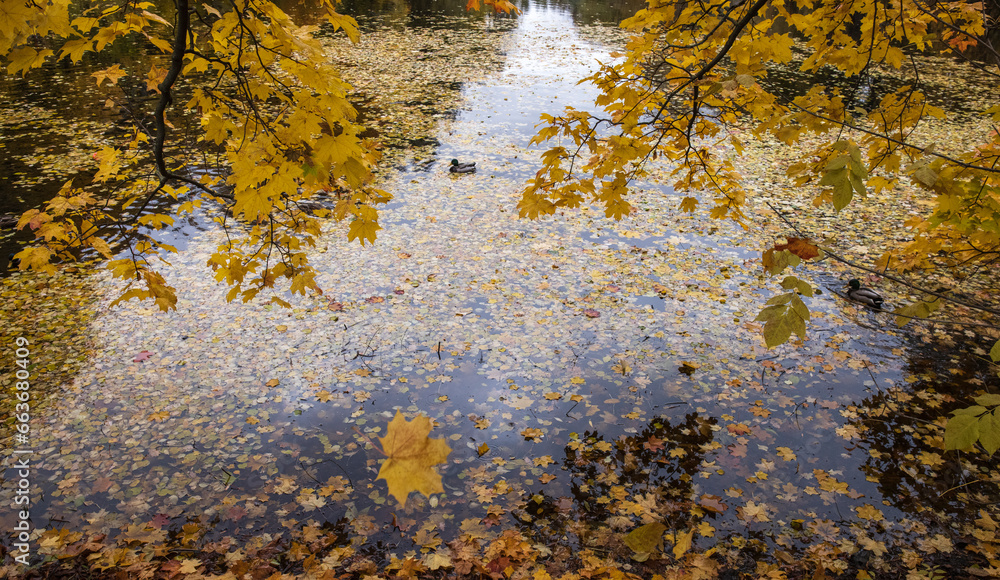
column 608, row 400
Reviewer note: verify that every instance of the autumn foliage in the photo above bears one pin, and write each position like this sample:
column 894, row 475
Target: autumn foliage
column 275, row 111
column 694, row 73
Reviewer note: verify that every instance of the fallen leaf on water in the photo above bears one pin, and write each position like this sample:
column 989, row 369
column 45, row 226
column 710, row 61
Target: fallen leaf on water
column 645, row 538
column 688, row 368
column 410, row 457
column 712, row 503
column 738, row 428
column 682, row 543
column 532, row 434
column 786, row 453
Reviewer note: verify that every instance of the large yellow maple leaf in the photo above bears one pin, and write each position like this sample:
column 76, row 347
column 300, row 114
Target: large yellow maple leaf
column 410, row 458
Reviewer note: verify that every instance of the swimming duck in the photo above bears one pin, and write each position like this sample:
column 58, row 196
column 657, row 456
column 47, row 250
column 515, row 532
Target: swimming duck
column 864, row 295
column 457, row 167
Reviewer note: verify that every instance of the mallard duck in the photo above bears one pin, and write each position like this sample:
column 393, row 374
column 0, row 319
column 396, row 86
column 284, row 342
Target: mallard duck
column 864, row 295
column 457, row 167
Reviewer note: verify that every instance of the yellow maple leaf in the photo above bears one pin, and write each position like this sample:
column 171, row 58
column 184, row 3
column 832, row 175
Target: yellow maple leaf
column 112, row 74
column 753, row 512
column 786, row 453
column 24, row 58
column 532, row 434
column 410, row 457
column 36, row 258
column 363, row 230
column 829, row 483
column 706, row 530
column 870, row 512
column 931, row 459
column 437, row 560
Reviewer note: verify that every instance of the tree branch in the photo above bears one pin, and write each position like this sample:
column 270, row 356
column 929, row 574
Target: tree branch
column 922, row 289
column 181, row 26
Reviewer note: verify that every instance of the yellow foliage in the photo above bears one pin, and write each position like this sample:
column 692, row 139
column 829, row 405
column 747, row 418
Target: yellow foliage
column 690, row 70
column 276, row 156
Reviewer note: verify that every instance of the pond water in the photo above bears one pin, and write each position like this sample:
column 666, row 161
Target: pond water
column 589, row 376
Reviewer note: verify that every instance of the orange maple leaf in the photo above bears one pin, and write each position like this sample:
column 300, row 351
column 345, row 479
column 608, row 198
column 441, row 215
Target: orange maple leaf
column 801, row 247
column 410, row 457
column 738, row 428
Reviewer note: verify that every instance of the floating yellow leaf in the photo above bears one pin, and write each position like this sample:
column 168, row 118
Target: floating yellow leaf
column 532, row 434
column 410, row 457
column 646, row 538
column 682, row 543
column 786, row 454
column 870, row 512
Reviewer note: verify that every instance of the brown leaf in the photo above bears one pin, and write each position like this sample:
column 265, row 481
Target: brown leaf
column 801, row 247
